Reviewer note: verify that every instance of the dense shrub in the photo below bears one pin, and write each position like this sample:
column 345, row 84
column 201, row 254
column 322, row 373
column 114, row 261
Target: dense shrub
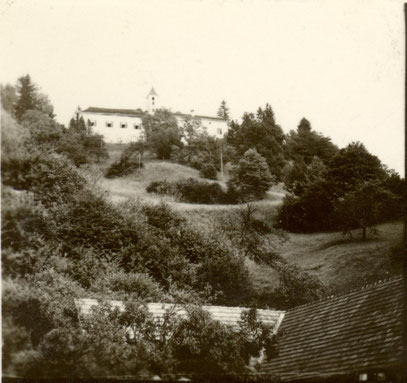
column 123, row 167
column 208, row 171
column 192, row 190
column 251, row 178
column 161, row 187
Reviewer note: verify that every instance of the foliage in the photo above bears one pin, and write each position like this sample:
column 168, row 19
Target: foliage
column 124, row 166
column 200, row 148
column 27, row 93
column 259, row 132
column 208, row 171
column 8, row 97
column 304, row 145
column 250, row 229
column 251, row 178
column 223, row 111
column 80, row 144
column 161, row 132
column 193, row 191
column 353, row 165
column 348, row 192
column 365, row 207
column 44, row 131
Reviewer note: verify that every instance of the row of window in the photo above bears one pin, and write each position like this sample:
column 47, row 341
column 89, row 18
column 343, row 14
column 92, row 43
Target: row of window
column 109, row 124
column 123, row 125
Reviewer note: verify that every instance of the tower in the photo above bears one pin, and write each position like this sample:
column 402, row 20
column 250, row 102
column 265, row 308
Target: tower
column 152, row 101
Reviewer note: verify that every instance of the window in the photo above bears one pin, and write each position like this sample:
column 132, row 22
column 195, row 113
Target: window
column 219, row 131
column 204, row 128
column 109, row 124
column 153, row 99
column 92, row 123
column 123, row 125
column 136, row 126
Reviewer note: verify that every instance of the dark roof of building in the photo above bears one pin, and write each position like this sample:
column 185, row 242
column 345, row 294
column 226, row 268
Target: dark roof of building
column 351, row 333
column 140, row 113
column 226, row 315
column 198, row 116
column 124, row 112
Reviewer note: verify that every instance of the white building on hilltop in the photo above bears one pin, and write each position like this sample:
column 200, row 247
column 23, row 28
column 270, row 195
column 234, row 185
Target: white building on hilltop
column 125, row 125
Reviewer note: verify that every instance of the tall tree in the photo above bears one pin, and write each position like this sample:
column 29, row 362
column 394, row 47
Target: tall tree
column 161, row 132
column 352, row 166
column 260, row 132
column 8, row 97
column 223, row 111
column 305, row 144
column 251, row 178
column 27, row 96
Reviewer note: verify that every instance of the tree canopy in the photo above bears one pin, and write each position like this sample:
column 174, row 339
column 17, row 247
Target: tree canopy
column 262, row 133
column 251, row 178
column 161, row 132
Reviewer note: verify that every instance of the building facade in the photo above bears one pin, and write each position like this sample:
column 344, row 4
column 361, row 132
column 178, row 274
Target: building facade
column 125, row 125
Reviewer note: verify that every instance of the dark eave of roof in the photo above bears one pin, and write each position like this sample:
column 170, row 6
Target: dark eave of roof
column 140, row 113
column 124, row 112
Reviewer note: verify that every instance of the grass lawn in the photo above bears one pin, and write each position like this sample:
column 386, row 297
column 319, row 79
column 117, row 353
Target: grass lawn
column 345, row 263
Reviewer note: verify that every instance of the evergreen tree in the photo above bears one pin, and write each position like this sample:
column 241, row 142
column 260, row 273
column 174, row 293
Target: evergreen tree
column 305, row 144
column 27, row 96
column 260, row 132
column 223, row 111
column 251, row 178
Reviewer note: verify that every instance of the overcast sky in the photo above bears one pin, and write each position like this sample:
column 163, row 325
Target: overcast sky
column 338, row 63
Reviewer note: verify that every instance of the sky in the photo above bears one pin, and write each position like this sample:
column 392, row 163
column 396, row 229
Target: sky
column 339, row 63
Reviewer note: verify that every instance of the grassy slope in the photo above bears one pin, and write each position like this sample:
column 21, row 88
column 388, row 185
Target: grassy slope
column 341, row 263
column 344, row 263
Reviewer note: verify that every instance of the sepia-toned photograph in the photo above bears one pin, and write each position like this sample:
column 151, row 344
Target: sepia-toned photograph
column 206, row 191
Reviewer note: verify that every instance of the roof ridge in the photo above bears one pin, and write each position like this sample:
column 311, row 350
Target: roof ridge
column 341, row 294
column 186, row 304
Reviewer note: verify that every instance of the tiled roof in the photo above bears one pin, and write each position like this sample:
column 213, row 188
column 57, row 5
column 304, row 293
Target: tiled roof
column 226, row 315
column 345, row 334
column 124, row 112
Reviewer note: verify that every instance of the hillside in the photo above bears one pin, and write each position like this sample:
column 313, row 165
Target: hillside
column 341, row 263
column 344, row 263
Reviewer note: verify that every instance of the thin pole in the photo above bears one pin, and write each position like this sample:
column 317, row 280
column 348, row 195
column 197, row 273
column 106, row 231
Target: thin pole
column 221, row 161
column 404, row 357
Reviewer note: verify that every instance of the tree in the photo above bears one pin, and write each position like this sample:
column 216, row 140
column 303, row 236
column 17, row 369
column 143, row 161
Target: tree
column 8, row 97
column 352, row 166
column 366, row 206
column 27, row 96
column 45, row 132
column 223, row 111
column 305, row 144
column 259, row 132
column 77, row 124
column 44, row 105
column 251, row 177
column 161, row 132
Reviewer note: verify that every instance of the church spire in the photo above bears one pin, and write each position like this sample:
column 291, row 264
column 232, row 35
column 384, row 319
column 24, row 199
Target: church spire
column 152, row 101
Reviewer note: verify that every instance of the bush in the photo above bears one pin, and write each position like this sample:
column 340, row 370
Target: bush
column 192, row 190
column 251, row 178
column 161, row 187
column 208, row 171
column 123, row 167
